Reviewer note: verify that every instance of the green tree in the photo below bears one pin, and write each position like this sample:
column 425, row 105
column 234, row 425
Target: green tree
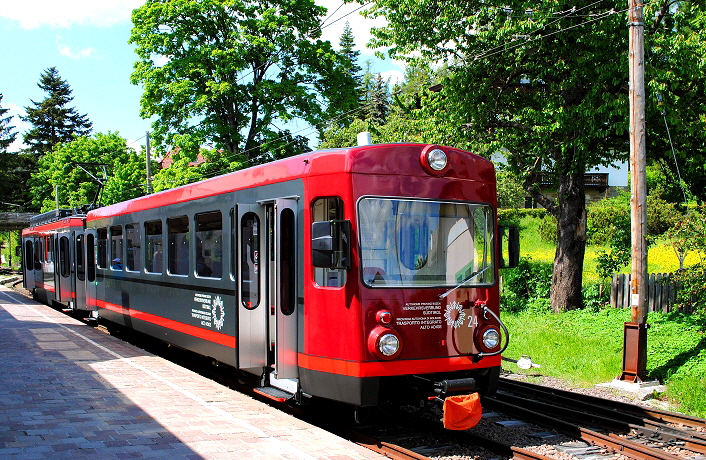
column 233, row 69
column 7, row 136
column 52, row 120
column 126, row 172
column 15, row 174
column 526, row 81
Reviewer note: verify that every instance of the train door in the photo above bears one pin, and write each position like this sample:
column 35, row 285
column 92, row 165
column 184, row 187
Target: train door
column 252, row 295
column 62, row 268
column 283, row 283
column 91, row 240
column 39, row 250
column 28, row 263
column 267, row 322
column 79, row 278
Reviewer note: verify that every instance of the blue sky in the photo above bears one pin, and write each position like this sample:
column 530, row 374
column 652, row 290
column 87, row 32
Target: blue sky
column 86, row 40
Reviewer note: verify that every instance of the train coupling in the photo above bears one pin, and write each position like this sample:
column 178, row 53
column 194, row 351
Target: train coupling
column 460, row 403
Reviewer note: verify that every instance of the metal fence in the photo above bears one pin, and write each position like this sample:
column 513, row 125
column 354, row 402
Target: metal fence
column 661, row 292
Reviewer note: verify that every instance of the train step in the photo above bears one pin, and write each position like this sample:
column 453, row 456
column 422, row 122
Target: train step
column 274, row 393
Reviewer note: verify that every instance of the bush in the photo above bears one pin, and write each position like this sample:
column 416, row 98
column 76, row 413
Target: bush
column 527, row 286
column 606, row 218
column 547, row 229
column 514, row 216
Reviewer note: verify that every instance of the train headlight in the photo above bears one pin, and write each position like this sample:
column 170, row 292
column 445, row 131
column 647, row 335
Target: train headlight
column 384, row 343
column 491, row 338
column 389, row 344
column 436, row 159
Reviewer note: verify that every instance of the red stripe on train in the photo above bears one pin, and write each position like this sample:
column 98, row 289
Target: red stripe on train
column 392, row 368
column 195, row 331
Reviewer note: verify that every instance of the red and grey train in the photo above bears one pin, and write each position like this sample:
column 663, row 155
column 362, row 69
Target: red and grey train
column 360, row 275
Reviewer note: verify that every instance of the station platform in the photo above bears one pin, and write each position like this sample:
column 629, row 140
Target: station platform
column 70, row 391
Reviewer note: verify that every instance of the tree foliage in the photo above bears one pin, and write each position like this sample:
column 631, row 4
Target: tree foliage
column 547, row 84
column 52, row 121
column 7, row 136
column 126, row 172
column 226, row 72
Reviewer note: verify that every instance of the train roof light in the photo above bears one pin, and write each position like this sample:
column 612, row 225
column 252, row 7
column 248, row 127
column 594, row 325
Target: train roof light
column 437, row 159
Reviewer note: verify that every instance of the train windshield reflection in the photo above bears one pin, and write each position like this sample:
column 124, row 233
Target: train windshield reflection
column 417, row 243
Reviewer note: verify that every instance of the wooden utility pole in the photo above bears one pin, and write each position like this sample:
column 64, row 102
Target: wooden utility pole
column 635, row 335
column 149, row 165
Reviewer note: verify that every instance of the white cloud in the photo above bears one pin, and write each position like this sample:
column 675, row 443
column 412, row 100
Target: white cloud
column 36, row 13
column 336, row 20
column 393, row 77
column 65, row 50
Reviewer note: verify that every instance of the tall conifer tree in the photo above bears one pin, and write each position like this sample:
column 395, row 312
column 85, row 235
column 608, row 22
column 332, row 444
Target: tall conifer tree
column 52, row 120
column 7, row 136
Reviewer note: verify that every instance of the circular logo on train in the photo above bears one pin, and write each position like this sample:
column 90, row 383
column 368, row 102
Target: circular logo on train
column 454, row 314
column 218, row 313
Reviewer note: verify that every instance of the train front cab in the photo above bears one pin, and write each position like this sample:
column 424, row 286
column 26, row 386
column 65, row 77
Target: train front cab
column 402, row 297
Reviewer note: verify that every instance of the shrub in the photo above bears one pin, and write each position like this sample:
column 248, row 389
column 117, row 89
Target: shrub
column 547, row 229
column 525, row 284
column 606, row 218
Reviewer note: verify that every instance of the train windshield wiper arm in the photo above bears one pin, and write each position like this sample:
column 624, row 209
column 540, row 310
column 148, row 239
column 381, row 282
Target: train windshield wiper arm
column 473, row 275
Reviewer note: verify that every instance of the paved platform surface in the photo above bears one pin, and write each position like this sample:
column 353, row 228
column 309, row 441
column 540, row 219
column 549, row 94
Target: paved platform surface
column 69, row 391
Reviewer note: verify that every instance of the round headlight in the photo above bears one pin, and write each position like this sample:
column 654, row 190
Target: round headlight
column 389, row 344
column 491, row 338
column 437, row 159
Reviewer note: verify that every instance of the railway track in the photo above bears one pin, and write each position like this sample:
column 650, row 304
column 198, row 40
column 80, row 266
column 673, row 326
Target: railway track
column 628, row 429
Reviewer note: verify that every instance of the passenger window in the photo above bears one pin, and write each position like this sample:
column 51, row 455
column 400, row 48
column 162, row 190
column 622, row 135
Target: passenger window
column 209, row 245
column 324, row 210
column 116, row 247
column 288, row 248
column 64, row 257
column 178, row 230
column 250, row 260
column 91, row 257
column 154, row 249
column 102, row 248
column 80, row 267
column 37, row 252
column 29, row 256
column 133, row 243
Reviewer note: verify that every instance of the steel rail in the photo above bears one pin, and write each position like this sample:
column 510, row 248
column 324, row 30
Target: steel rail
column 613, row 421
column 629, row 448
column 614, row 406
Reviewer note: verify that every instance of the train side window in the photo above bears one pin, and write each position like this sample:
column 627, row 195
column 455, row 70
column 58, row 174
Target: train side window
column 102, row 248
column 64, row 256
column 288, row 248
column 90, row 257
column 133, row 243
column 324, row 210
column 154, row 249
column 250, row 260
column 178, row 253
column 29, row 256
column 116, row 247
column 37, row 252
column 209, row 244
column 80, row 267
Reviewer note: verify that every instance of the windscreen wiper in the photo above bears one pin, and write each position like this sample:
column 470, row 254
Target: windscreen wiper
column 473, row 275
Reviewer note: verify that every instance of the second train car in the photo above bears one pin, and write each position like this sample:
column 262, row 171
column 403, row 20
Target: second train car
column 361, row 275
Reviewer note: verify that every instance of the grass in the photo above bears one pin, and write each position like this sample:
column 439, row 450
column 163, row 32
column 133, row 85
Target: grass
column 585, row 348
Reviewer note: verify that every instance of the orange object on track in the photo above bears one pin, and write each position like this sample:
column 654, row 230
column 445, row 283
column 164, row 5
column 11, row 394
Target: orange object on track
column 462, row 412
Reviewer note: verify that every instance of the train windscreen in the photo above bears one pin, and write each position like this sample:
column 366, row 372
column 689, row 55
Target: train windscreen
column 417, row 243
